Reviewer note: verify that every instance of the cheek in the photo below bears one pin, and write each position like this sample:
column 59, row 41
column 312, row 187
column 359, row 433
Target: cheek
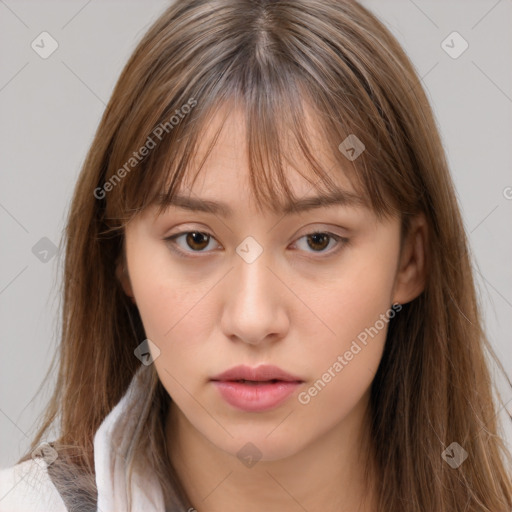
column 356, row 310
column 176, row 320
column 356, row 294
column 172, row 308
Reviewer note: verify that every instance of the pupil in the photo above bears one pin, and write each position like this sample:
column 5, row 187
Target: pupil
column 315, row 236
column 192, row 242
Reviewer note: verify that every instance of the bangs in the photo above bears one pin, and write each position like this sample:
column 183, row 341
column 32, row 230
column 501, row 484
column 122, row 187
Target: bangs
column 283, row 132
column 299, row 114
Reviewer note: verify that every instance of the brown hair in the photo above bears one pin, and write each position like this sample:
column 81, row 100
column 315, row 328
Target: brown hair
column 275, row 58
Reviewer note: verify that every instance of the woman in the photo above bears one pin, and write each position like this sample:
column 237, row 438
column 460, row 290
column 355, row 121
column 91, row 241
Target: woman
column 236, row 334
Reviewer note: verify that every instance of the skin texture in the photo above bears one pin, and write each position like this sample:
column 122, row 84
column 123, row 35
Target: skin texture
column 297, row 306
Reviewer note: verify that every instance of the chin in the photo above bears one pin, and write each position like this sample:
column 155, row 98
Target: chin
column 259, row 446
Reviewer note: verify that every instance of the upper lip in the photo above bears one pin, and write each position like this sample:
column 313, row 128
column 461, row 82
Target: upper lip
column 261, row 373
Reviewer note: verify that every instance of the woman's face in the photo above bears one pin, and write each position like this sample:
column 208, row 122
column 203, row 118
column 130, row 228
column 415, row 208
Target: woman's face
column 254, row 290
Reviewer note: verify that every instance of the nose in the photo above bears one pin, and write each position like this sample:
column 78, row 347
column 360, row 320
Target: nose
column 255, row 302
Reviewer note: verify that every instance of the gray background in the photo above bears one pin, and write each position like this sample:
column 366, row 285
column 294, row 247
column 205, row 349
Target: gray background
column 50, row 109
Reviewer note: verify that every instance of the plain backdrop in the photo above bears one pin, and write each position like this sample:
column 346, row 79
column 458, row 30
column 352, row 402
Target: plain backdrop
column 50, row 109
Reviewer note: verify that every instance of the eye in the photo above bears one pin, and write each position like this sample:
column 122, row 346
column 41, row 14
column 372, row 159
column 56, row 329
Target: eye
column 199, row 241
column 320, row 240
column 196, row 240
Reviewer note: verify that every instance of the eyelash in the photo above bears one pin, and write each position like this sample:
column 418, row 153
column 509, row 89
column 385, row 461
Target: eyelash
column 341, row 242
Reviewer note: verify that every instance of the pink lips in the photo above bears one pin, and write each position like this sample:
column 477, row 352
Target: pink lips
column 256, row 389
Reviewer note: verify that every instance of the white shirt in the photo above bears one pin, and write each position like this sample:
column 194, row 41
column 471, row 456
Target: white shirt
column 27, row 487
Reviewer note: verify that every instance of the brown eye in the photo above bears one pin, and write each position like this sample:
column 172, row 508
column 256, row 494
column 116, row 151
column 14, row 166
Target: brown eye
column 197, row 240
column 189, row 242
column 319, row 241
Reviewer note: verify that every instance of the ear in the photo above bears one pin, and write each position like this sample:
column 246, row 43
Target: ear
column 411, row 273
column 124, row 278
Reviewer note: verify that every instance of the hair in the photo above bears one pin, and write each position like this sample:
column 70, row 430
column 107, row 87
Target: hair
column 279, row 60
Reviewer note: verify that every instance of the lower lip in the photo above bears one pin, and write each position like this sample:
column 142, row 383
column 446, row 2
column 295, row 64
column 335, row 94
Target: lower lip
column 255, row 397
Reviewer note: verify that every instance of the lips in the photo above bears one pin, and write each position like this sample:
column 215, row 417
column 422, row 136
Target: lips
column 256, row 389
column 261, row 374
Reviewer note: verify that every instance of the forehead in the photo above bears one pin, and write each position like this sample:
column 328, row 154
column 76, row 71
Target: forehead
column 218, row 179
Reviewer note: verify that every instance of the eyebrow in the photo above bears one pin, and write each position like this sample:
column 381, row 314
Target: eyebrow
column 337, row 198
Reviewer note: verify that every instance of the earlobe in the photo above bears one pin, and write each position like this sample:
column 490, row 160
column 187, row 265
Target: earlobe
column 411, row 274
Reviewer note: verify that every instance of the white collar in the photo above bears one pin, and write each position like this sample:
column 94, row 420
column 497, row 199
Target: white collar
column 110, row 463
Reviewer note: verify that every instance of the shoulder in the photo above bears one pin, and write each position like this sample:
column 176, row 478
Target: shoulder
column 27, row 487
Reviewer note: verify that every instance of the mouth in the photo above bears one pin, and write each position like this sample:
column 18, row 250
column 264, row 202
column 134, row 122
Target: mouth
column 259, row 375
column 255, row 382
column 256, row 389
